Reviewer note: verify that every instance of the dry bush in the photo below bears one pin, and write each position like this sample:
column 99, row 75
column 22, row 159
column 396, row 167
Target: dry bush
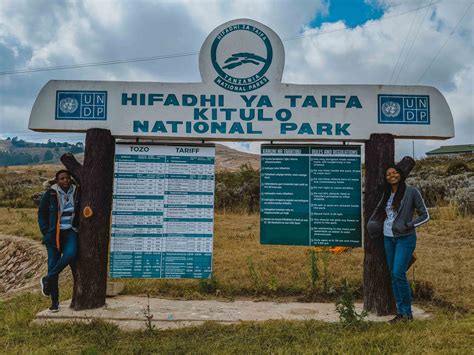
column 457, row 167
column 238, row 191
column 445, row 181
column 445, row 213
column 19, row 184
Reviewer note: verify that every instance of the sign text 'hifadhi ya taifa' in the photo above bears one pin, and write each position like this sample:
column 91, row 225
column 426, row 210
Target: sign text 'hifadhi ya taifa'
column 241, row 97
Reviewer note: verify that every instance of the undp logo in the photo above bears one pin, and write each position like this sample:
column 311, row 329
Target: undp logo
column 405, row 109
column 238, row 68
column 81, row 105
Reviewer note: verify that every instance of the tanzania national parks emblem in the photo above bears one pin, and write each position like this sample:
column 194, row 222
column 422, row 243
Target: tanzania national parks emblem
column 240, row 69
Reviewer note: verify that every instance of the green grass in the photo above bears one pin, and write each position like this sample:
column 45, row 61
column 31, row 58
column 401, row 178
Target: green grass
column 242, row 267
column 444, row 276
column 445, row 333
column 19, row 183
column 21, row 222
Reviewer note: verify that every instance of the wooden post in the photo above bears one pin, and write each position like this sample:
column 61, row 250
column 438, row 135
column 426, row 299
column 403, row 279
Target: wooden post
column 378, row 296
column 96, row 179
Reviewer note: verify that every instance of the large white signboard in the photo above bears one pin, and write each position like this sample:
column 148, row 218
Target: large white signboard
column 163, row 211
column 241, row 97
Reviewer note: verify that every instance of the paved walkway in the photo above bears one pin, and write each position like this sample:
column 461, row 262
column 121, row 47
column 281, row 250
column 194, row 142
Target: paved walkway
column 128, row 312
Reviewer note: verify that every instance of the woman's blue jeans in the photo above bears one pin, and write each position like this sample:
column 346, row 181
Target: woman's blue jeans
column 399, row 251
column 59, row 259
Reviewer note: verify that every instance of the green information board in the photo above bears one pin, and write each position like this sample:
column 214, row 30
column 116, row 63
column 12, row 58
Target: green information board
column 163, row 211
column 310, row 195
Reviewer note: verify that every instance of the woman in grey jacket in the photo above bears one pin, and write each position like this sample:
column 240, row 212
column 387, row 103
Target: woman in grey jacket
column 393, row 218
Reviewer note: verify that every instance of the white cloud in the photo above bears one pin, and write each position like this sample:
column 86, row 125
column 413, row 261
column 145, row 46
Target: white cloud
column 47, row 33
column 286, row 17
column 11, row 118
column 369, row 53
column 108, row 13
column 249, row 147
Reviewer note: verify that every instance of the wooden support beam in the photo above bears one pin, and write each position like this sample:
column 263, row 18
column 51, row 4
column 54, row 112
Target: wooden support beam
column 96, row 179
column 378, row 296
column 73, row 166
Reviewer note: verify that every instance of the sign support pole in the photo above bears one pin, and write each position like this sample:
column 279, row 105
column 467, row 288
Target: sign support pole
column 378, row 296
column 96, row 180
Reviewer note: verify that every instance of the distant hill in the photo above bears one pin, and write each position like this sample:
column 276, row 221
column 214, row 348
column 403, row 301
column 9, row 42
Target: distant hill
column 14, row 152
column 231, row 159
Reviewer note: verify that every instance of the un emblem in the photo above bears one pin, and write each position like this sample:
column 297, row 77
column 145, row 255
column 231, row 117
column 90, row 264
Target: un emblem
column 391, row 109
column 68, row 105
column 239, row 69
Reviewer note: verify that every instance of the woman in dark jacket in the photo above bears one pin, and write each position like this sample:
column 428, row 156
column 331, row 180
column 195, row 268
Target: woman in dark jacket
column 393, row 218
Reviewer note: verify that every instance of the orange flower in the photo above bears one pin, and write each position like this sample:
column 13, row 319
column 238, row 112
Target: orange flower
column 339, row 250
column 332, row 250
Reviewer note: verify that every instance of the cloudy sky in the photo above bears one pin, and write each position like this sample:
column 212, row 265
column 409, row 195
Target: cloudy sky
column 406, row 42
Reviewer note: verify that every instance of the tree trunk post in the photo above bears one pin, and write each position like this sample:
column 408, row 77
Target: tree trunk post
column 96, row 179
column 378, row 296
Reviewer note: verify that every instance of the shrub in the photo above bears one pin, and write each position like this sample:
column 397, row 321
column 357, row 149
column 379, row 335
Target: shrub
column 238, row 191
column 422, row 290
column 346, row 308
column 456, row 167
column 464, row 199
column 209, row 286
column 441, row 190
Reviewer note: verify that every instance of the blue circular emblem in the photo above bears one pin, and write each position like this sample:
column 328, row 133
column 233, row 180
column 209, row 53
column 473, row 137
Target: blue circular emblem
column 391, row 109
column 241, row 69
column 68, row 105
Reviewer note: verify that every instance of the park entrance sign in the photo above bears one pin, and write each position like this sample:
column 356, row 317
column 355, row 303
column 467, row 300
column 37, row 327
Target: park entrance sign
column 241, row 97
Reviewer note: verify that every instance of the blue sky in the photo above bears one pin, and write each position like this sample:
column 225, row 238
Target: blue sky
column 351, row 12
column 423, row 42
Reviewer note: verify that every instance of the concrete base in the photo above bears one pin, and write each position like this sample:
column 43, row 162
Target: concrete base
column 114, row 288
column 129, row 312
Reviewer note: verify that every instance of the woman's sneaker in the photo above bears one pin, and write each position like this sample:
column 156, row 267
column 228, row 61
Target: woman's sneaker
column 45, row 287
column 54, row 308
column 398, row 318
column 401, row 318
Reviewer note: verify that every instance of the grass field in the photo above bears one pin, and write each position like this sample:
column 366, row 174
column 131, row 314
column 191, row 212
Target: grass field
column 243, row 268
column 445, row 333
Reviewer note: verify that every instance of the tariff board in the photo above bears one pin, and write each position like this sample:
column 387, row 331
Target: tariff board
column 163, row 211
column 310, row 195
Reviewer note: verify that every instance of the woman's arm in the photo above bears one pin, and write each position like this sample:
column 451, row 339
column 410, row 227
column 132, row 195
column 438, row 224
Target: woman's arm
column 423, row 215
